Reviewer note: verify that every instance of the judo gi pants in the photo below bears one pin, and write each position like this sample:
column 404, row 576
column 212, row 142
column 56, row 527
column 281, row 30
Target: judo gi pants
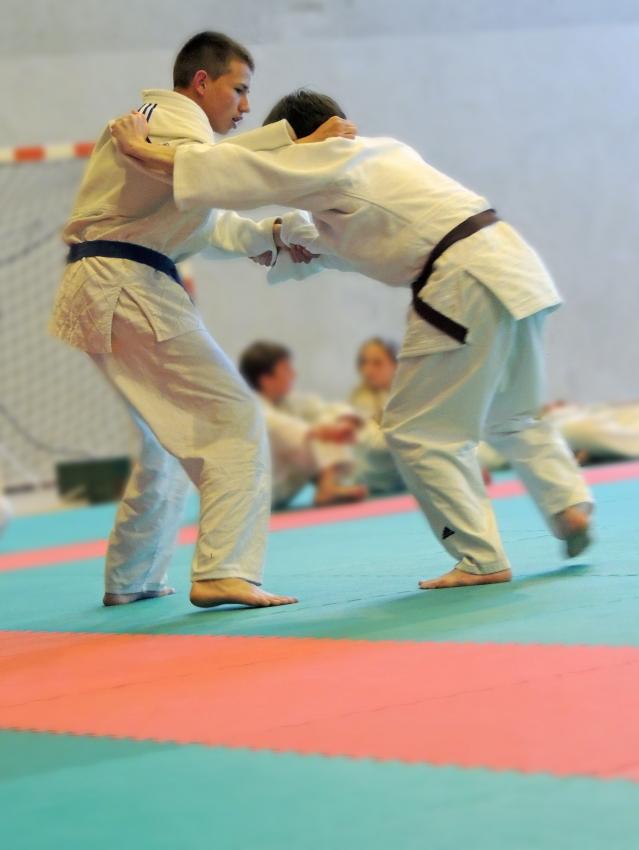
column 491, row 388
column 197, row 420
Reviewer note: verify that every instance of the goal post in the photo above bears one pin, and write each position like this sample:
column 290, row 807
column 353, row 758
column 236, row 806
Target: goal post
column 54, row 405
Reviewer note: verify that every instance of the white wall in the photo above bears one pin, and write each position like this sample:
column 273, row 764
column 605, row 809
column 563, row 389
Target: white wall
column 533, row 104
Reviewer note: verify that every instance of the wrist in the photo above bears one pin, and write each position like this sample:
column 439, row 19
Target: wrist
column 137, row 148
column 277, row 234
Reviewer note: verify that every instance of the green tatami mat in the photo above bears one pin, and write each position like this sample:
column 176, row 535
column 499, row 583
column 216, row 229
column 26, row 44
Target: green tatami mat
column 66, row 793
column 358, row 580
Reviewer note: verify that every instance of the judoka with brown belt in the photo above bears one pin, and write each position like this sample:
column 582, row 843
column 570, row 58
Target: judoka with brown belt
column 471, row 364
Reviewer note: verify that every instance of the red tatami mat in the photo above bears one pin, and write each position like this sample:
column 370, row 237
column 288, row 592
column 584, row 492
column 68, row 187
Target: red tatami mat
column 565, row 710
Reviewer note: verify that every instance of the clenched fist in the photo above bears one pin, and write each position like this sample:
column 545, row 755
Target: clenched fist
column 335, row 127
column 128, row 131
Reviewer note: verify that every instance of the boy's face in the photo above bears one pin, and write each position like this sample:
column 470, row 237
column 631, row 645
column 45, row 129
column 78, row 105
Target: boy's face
column 280, row 382
column 376, row 368
column 225, row 100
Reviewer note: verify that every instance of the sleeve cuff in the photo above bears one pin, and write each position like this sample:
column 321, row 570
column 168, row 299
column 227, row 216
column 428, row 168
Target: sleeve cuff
column 263, row 238
column 298, row 229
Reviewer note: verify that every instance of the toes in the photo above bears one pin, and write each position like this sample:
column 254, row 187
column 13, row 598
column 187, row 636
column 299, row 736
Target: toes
column 265, row 601
column 273, row 599
column 281, row 600
column 577, row 543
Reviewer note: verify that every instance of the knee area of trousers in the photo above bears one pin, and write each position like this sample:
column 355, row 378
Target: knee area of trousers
column 391, row 423
column 389, row 429
column 247, row 416
column 514, row 425
column 398, row 438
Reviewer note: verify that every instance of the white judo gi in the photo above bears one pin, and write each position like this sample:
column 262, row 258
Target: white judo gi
column 193, row 410
column 379, row 209
column 600, row 431
column 297, row 459
column 376, row 467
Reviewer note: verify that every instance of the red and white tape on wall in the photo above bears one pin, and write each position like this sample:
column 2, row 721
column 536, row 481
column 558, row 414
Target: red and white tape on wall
column 75, row 150
column 46, row 153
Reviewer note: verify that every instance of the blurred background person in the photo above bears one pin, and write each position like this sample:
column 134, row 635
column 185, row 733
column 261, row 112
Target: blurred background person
column 311, row 441
column 376, row 365
column 597, row 432
column 601, row 431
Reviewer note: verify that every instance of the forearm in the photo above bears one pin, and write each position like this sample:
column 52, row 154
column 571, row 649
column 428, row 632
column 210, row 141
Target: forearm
column 131, row 133
column 234, row 177
column 266, row 138
column 224, row 176
column 231, row 177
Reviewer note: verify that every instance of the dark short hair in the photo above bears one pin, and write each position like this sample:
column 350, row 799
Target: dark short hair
column 305, row 111
column 208, row 51
column 260, row 359
column 387, row 345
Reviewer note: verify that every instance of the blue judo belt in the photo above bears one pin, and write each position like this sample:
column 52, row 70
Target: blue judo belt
column 125, row 251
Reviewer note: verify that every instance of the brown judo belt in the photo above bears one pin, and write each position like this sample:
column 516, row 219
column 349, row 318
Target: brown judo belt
column 425, row 311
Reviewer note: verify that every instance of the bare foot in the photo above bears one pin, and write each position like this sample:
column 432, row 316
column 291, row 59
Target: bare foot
column 573, row 527
column 340, row 495
column 110, row 599
column 582, row 457
column 234, row 591
column 459, row 578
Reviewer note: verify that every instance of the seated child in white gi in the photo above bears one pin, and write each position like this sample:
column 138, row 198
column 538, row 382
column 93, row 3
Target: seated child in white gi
column 310, row 440
column 376, row 365
column 376, row 468
column 595, row 432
